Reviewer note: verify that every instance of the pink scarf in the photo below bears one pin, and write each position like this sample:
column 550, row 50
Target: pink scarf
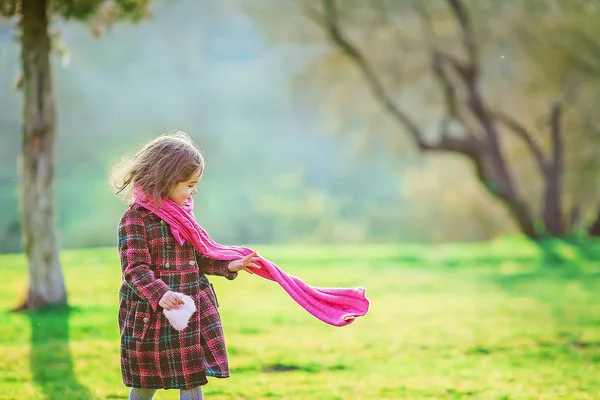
column 334, row 306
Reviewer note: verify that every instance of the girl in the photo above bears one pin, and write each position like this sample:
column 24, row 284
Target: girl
column 156, row 267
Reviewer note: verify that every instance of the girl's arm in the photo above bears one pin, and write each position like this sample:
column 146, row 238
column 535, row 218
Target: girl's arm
column 135, row 259
column 210, row 266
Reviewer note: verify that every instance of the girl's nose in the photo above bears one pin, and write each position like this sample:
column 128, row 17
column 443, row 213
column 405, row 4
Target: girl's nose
column 194, row 190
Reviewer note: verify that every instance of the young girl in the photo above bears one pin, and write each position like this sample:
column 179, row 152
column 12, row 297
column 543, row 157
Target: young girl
column 156, row 267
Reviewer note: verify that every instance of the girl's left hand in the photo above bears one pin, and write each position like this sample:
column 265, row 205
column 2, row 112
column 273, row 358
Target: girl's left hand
column 246, row 263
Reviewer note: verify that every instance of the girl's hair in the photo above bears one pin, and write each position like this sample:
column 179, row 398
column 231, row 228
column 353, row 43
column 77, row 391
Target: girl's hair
column 161, row 164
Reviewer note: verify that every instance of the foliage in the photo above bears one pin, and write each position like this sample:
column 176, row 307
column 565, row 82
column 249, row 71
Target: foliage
column 86, row 10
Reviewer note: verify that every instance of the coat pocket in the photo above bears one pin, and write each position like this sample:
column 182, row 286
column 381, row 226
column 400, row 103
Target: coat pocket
column 141, row 320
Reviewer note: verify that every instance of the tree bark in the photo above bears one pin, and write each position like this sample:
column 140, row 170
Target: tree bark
column 552, row 203
column 594, row 229
column 551, row 168
column 46, row 284
column 492, row 173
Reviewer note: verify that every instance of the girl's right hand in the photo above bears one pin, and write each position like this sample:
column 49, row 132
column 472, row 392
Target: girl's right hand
column 170, row 300
column 246, row 263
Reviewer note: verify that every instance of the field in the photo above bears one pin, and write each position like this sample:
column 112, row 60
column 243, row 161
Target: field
column 499, row 320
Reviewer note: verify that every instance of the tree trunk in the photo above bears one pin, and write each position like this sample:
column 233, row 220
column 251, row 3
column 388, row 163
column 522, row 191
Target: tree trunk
column 552, row 210
column 594, row 229
column 493, row 174
column 46, row 284
column 552, row 204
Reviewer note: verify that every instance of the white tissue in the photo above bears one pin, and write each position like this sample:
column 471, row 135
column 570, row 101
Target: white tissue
column 179, row 317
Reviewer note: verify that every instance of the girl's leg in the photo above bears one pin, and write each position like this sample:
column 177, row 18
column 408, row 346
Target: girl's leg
column 141, row 394
column 191, row 394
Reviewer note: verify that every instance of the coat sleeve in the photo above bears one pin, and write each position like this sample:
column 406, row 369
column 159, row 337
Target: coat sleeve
column 210, row 266
column 135, row 259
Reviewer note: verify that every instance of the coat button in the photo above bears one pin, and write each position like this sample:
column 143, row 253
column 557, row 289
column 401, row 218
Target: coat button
column 169, row 247
column 167, row 265
column 192, row 262
column 146, row 320
column 162, row 222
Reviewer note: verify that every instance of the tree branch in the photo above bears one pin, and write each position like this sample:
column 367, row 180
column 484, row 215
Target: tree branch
column 557, row 144
column 335, row 34
column 449, row 143
column 462, row 69
column 551, row 169
column 430, row 37
column 469, row 70
column 446, row 142
column 468, row 36
column 485, row 153
column 438, row 60
column 524, row 135
column 450, row 96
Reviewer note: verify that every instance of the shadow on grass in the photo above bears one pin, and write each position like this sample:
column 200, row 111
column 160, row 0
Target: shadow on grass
column 556, row 251
column 51, row 361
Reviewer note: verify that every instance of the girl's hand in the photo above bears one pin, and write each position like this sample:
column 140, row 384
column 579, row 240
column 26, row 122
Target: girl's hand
column 245, row 263
column 170, row 300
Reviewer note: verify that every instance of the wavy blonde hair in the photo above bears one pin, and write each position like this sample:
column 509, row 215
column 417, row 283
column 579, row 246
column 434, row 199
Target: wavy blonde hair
column 169, row 159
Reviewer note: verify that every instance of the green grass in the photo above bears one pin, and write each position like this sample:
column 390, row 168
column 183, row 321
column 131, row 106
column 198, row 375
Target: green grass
column 500, row 320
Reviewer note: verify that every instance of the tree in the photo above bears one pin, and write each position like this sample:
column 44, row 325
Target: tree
column 565, row 49
column 46, row 282
column 472, row 126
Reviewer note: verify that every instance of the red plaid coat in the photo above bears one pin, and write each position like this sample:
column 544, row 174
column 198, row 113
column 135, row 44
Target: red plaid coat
column 154, row 354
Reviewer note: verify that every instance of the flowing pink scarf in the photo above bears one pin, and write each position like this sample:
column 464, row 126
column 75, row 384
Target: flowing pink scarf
column 334, row 306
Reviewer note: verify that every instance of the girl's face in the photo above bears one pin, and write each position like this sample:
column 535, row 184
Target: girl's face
column 184, row 190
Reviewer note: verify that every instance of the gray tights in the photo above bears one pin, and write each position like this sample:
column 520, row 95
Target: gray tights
column 148, row 394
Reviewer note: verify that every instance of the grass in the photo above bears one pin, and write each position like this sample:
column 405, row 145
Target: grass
column 500, row 320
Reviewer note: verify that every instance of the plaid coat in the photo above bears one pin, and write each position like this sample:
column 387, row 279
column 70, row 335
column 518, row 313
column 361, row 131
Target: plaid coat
column 154, row 354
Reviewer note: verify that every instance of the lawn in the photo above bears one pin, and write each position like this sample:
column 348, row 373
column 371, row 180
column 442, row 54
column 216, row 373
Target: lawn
column 499, row 320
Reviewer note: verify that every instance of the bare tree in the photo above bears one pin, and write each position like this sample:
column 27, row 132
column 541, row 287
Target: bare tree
column 480, row 139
